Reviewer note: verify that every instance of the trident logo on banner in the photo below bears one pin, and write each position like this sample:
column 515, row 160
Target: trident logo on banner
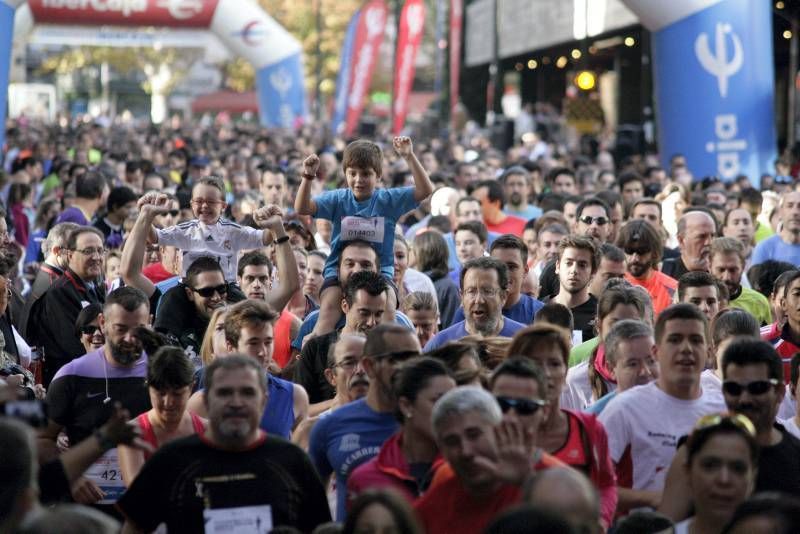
column 718, row 65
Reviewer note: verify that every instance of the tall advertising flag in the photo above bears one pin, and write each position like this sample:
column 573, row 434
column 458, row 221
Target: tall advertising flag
column 412, row 22
column 369, row 34
column 456, row 23
column 343, row 79
column 714, row 74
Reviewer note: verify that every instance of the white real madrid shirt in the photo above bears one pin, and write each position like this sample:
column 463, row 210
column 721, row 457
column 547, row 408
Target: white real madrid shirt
column 222, row 241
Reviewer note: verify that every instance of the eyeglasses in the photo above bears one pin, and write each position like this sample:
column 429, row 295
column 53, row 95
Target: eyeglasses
column 630, row 251
column 91, row 251
column 396, row 357
column 89, row 330
column 346, row 365
column 586, row 219
column 716, row 419
column 522, row 406
column 485, row 292
column 757, row 387
column 174, row 213
column 207, row 292
column 201, row 201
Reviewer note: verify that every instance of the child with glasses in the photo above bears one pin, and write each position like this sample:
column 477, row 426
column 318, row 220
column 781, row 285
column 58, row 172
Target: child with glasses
column 363, row 212
column 211, row 235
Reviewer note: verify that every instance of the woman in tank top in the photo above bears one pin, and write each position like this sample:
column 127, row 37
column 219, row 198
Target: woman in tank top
column 578, row 439
column 169, row 378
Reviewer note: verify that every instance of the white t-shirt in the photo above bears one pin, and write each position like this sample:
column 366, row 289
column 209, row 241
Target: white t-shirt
column 644, row 425
column 788, row 407
column 791, row 426
column 578, row 393
column 222, row 241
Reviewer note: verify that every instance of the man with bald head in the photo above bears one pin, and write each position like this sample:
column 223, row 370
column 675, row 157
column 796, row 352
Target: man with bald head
column 696, row 229
column 568, row 493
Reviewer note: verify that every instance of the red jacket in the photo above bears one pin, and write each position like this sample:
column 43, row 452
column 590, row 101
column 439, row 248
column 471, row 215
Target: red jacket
column 601, row 467
column 388, row 469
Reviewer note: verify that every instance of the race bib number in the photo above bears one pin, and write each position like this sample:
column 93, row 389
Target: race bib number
column 366, row 228
column 241, row 520
column 107, row 475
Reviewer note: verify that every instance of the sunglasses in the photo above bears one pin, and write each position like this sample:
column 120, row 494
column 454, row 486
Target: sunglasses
column 174, row 213
column 757, row 387
column 522, row 406
column 631, row 251
column 717, row 419
column 89, row 330
column 586, row 219
column 207, row 292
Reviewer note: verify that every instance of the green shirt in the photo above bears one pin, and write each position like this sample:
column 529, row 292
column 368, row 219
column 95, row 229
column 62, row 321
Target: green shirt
column 763, row 231
column 582, row 352
column 754, row 303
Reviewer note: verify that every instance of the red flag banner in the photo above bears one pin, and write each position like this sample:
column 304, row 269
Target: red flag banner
column 412, row 22
column 456, row 23
column 369, row 35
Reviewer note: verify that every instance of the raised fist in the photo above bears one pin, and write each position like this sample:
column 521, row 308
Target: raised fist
column 311, row 164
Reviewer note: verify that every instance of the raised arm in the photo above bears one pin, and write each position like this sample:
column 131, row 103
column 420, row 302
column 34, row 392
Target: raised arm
column 133, row 253
column 270, row 218
column 303, row 204
column 423, row 187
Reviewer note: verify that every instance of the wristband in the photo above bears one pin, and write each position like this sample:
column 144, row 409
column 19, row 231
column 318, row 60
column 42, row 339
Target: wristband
column 105, row 443
column 308, row 176
column 282, row 239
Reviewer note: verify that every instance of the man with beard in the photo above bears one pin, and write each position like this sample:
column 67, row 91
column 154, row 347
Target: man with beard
column 84, row 392
column 484, row 289
column 593, row 219
column 54, row 314
column 578, row 260
column 354, row 433
column 234, row 472
column 784, row 246
column 363, row 306
column 517, row 185
column 642, row 246
column 696, row 229
column 753, row 386
column 727, row 264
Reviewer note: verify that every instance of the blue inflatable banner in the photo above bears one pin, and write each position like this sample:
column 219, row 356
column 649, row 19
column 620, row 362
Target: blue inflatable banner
column 714, row 77
column 281, row 93
column 343, row 79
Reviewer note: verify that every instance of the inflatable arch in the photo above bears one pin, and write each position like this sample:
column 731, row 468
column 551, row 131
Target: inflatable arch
column 241, row 25
column 714, row 83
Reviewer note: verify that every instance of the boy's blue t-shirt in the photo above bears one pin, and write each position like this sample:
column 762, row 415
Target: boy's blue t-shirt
column 345, row 439
column 373, row 220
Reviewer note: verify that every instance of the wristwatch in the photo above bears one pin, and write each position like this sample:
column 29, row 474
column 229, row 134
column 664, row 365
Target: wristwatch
column 282, row 239
column 308, row 176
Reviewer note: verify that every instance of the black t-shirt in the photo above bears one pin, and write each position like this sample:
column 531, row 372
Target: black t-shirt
column 779, row 466
column 178, row 318
column 584, row 317
column 309, row 370
column 189, row 475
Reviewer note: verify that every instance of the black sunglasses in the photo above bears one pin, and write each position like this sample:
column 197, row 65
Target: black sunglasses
column 174, row 213
column 207, row 292
column 601, row 221
column 757, row 387
column 631, row 251
column 522, row 406
column 89, row 330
